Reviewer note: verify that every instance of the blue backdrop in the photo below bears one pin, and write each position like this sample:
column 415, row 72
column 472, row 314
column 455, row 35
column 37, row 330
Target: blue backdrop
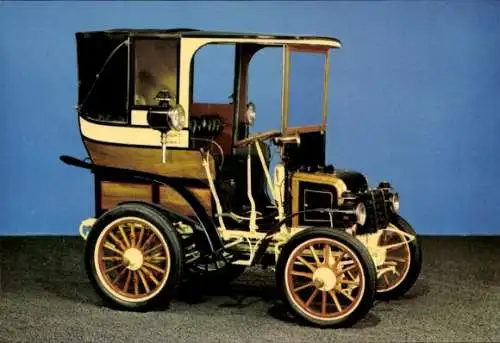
column 415, row 99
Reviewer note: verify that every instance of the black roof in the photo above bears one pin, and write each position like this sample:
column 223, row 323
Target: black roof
column 189, row 32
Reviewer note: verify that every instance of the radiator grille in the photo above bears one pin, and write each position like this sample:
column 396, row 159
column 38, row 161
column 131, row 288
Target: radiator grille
column 377, row 214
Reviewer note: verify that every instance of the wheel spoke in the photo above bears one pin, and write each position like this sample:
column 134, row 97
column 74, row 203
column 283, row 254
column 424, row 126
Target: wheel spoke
column 323, row 302
column 347, row 295
column 338, row 260
column 349, row 282
column 395, row 246
column 155, row 258
column 350, row 274
column 144, row 282
column 395, row 259
column 348, row 269
column 386, row 279
column 132, row 235
column 113, row 268
column 159, row 245
column 127, row 282
column 307, row 264
column 112, row 258
column 313, row 252
column 150, row 275
column 112, row 247
column 307, row 275
column 149, row 240
column 141, row 235
column 117, row 241
column 309, row 284
column 124, row 236
column 311, row 298
column 152, row 266
column 335, row 300
column 120, row 275
column 136, row 283
column 327, row 254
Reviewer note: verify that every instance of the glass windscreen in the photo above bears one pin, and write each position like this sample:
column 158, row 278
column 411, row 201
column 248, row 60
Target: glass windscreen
column 305, row 88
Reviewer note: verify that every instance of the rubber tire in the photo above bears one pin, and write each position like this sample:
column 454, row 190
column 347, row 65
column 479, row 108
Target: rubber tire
column 368, row 266
column 415, row 265
column 162, row 299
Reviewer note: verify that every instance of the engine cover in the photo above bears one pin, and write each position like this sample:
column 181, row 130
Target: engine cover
column 355, row 181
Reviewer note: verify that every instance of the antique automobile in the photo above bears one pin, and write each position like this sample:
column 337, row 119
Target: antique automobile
column 185, row 191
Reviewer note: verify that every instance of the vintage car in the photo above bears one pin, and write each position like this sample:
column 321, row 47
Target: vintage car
column 185, row 191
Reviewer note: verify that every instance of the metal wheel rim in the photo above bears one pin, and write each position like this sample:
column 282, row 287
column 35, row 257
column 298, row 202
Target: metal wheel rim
column 339, row 297
column 386, row 283
column 128, row 283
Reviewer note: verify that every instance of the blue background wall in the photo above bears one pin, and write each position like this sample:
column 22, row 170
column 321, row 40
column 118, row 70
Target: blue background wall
column 415, row 98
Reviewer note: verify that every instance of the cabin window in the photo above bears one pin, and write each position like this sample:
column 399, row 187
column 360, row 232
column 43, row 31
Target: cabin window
column 156, row 69
column 265, row 78
column 213, row 80
column 103, row 75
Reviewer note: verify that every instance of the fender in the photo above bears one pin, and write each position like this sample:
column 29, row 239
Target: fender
column 211, row 239
column 200, row 234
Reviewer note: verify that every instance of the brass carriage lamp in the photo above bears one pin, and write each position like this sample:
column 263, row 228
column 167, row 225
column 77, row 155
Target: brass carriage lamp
column 165, row 117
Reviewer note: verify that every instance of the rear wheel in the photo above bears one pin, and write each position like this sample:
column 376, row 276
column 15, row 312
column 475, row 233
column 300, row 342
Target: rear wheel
column 326, row 277
column 134, row 258
column 403, row 260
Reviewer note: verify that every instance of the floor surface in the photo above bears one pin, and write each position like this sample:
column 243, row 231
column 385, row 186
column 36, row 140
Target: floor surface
column 45, row 297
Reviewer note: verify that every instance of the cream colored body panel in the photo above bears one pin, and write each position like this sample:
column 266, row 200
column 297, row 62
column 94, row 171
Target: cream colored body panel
column 129, row 135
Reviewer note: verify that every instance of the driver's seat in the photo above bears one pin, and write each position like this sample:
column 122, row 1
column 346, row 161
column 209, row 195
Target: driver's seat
column 232, row 183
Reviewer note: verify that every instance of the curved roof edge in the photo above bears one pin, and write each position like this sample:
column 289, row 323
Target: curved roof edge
column 198, row 33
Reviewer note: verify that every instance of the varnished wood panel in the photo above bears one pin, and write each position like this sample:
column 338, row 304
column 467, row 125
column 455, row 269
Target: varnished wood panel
column 174, row 201
column 180, row 162
column 113, row 193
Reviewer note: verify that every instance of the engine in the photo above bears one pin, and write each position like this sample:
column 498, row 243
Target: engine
column 342, row 191
column 381, row 203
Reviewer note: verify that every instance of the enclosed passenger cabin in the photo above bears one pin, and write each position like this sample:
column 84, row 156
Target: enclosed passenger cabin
column 119, row 74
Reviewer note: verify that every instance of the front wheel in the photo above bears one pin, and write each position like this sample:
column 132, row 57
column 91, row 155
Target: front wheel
column 134, row 258
column 403, row 260
column 326, row 277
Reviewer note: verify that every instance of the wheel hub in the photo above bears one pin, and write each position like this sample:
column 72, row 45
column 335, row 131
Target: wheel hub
column 324, row 279
column 133, row 258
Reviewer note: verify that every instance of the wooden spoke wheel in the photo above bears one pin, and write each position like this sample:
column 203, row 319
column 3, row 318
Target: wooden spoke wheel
column 327, row 277
column 403, row 260
column 133, row 257
column 397, row 260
